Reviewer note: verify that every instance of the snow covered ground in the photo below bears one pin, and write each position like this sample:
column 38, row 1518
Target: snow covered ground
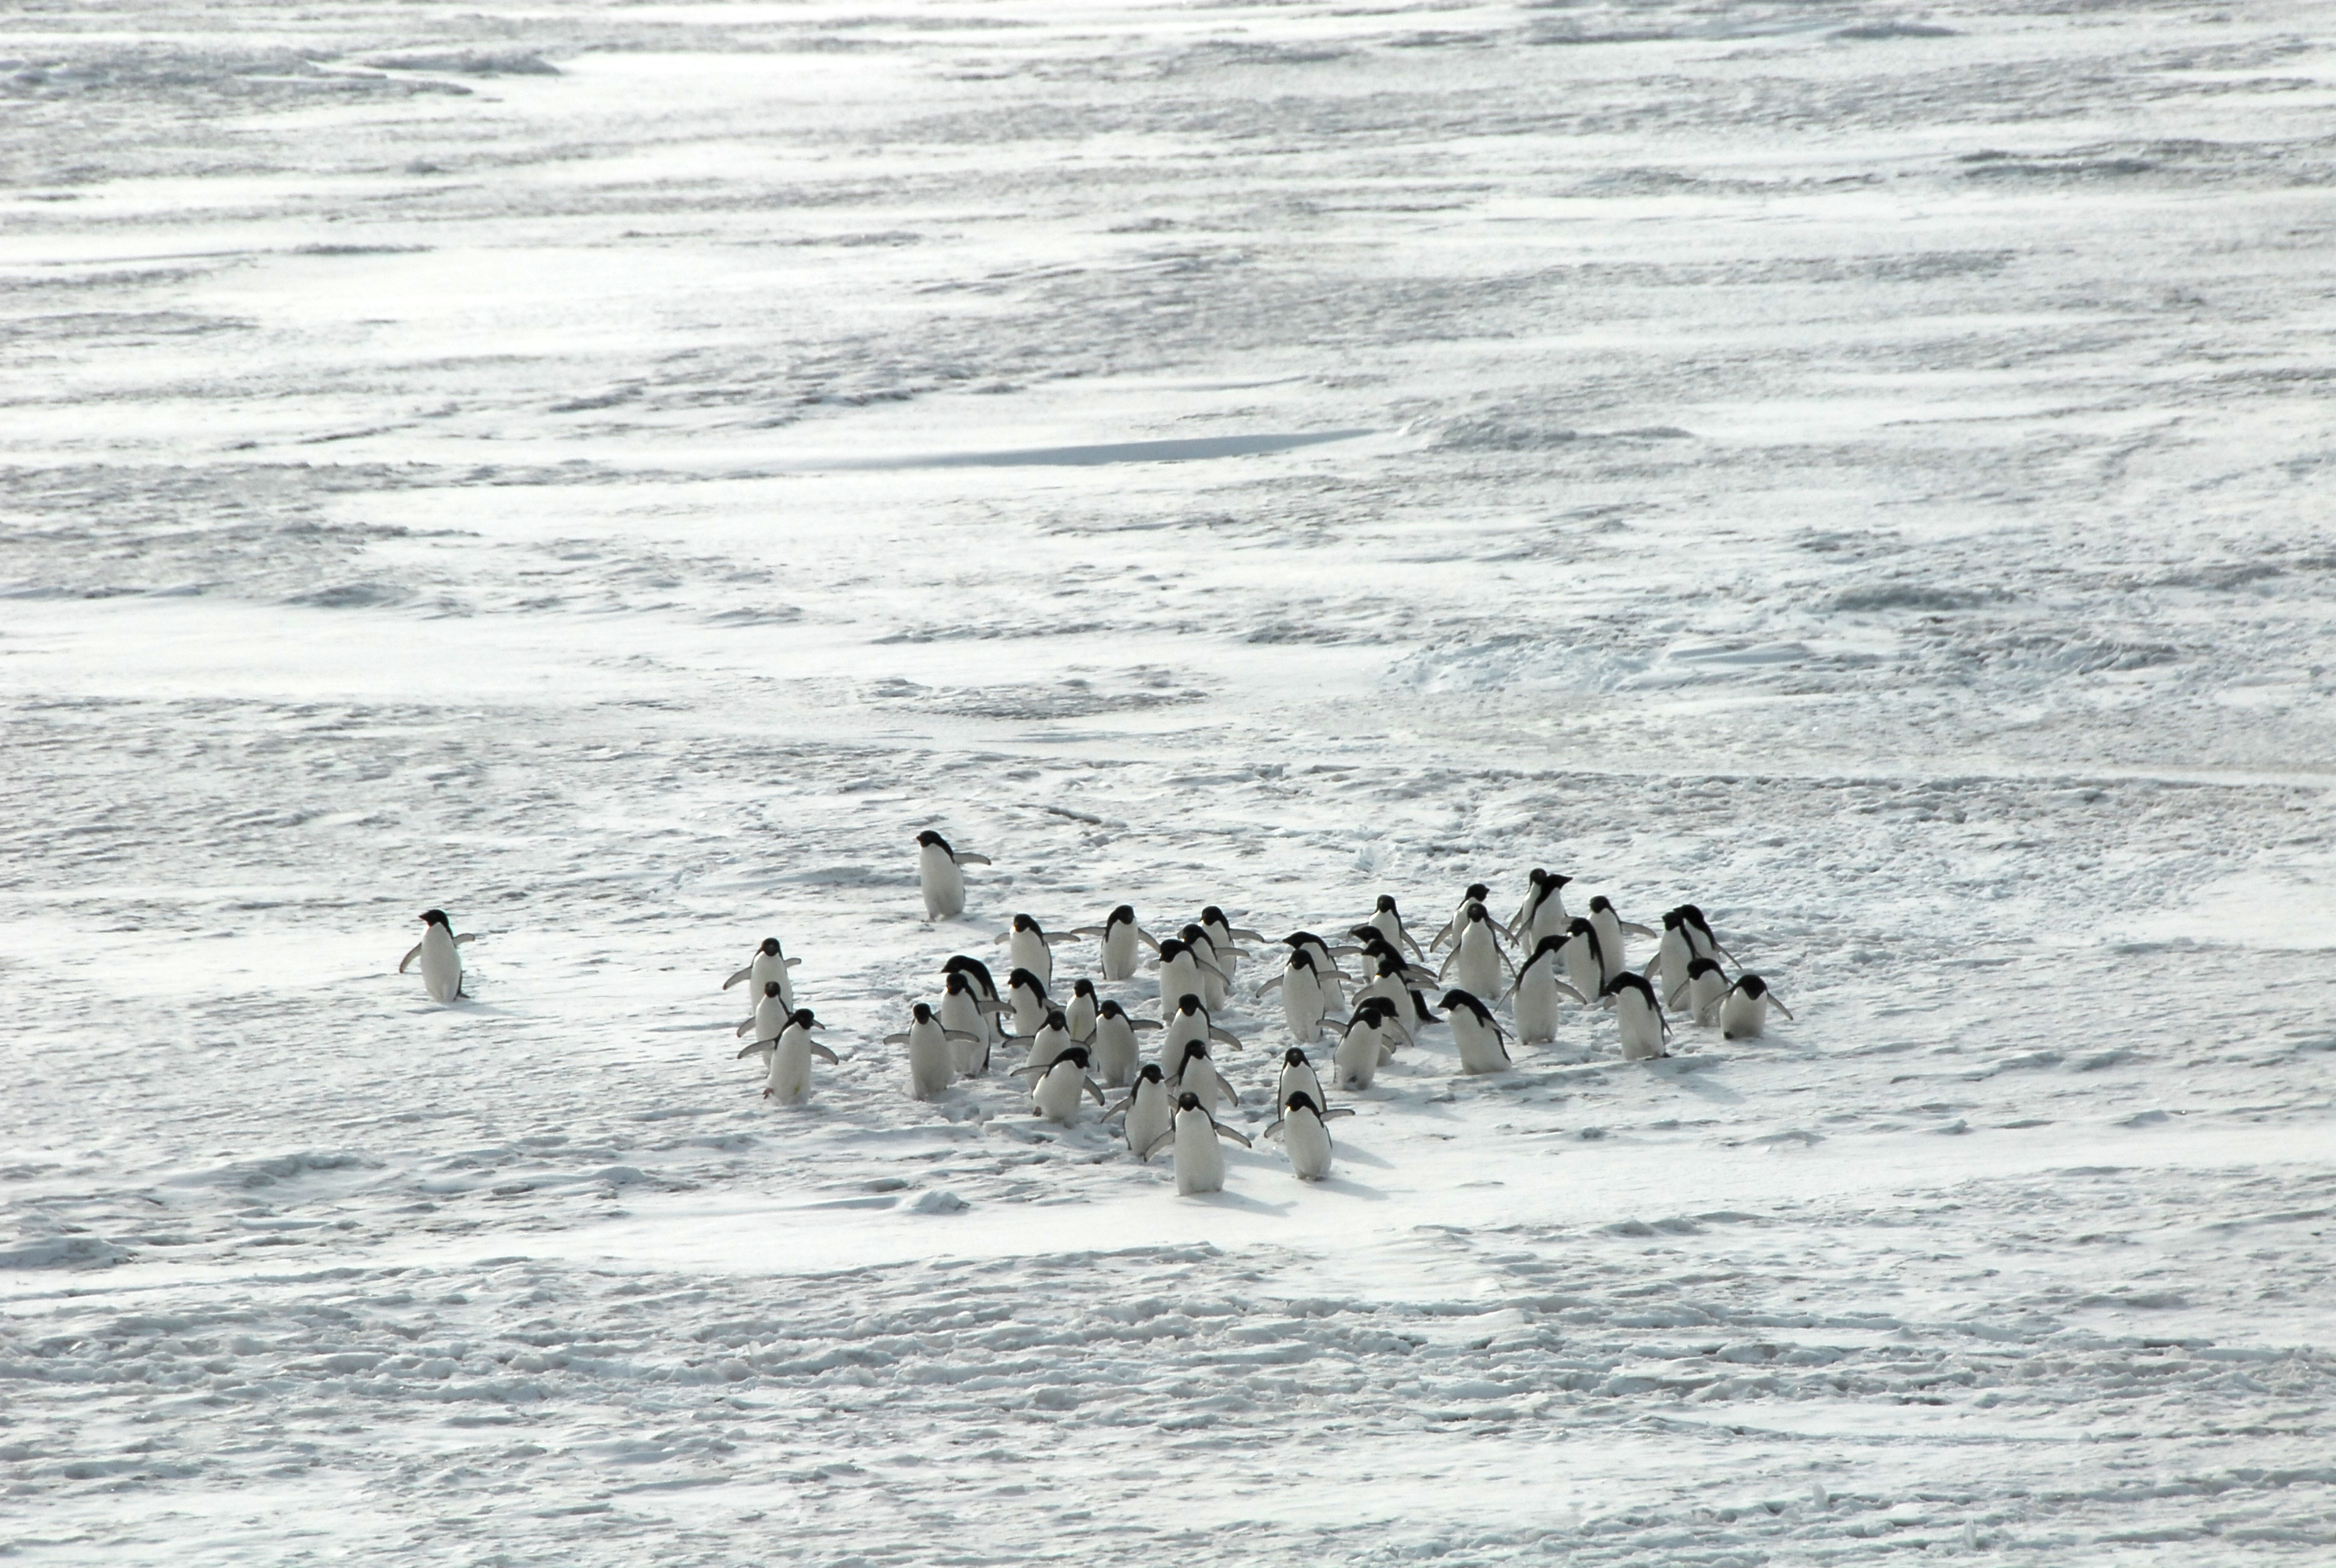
column 617, row 472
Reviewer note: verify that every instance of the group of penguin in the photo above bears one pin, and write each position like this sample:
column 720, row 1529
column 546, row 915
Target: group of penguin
column 1172, row 1101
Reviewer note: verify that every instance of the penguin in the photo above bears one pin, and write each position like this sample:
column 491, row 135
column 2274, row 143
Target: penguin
column 1297, row 1077
column 1117, row 936
column 940, row 876
column 933, row 1052
column 1668, row 968
column 1048, row 1041
column 1181, row 969
column 441, row 963
column 1026, row 994
column 1363, row 1048
column 768, row 964
column 789, row 1080
column 1190, row 1021
column 1080, row 1014
column 1543, row 914
column 1744, row 1014
column 770, row 1016
column 1585, row 959
column 1113, row 1045
column 969, row 1016
column 1699, row 933
column 1225, row 935
column 1534, row 995
column 1150, row 1111
column 1378, row 952
column 1303, row 1004
column 1476, row 962
column 1612, row 929
column 1483, row 1048
column 1394, row 985
column 1476, row 894
column 1060, row 1084
column 1199, row 1163
column 1303, row 1139
column 1705, row 988
column 1195, row 1072
column 1388, row 922
column 1031, row 950
column 1216, row 967
column 1637, row 1017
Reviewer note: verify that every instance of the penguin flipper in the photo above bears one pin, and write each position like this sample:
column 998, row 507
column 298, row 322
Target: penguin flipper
column 1148, row 938
column 1163, row 1141
column 1412, row 945
column 1145, row 1024
column 1088, row 931
column 824, row 1054
column 1778, row 1003
column 1669, row 1001
column 1235, row 1133
column 1648, row 973
column 1001, row 938
column 1273, row 1129
column 900, row 1039
column 1272, row 984
column 1033, row 1068
column 1569, row 991
column 795, row 963
column 1115, row 1109
column 1242, row 933
column 1092, row 1087
column 1447, row 966
column 973, row 860
column 1636, row 929
column 752, row 1049
column 746, row 973
column 1224, row 1036
column 1334, row 1115
column 955, row 1037
column 745, row 1026
column 466, row 937
column 409, row 958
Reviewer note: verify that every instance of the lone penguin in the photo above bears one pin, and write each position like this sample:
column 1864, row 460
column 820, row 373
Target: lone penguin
column 940, row 876
column 441, row 962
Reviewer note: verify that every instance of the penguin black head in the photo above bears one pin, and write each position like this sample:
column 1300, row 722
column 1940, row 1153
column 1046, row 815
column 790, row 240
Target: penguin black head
column 1023, row 979
column 1600, row 902
column 1703, row 966
column 1558, row 880
column 1692, row 916
column 803, row 1020
column 1294, row 1058
column 1367, row 934
column 1752, row 985
column 1109, row 1009
column 433, row 917
column 1150, row 1074
column 1550, row 944
column 770, row 988
column 921, row 1013
column 1188, row 1003
column 770, row 947
column 959, row 963
column 1538, row 877
column 1456, row 997
column 1673, row 919
column 1578, row 926
column 933, row 841
column 1388, row 965
column 1025, row 923
column 1195, row 1049
column 1212, row 916
column 1478, row 890
column 1055, row 1021
column 1083, row 987
column 957, row 983
column 1627, row 982
column 1123, row 916
column 1386, row 905
column 1188, row 1101
column 1374, row 1010
column 1194, row 933
column 1075, row 1055
column 1299, row 959
column 1477, row 911
column 1299, row 1100
column 1302, row 940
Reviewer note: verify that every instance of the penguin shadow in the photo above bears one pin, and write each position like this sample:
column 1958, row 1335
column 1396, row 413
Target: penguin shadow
column 1692, row 1073
column 469, row 1006
column 1348, row 1187
column 1348, row 1155
column 1242, row 1201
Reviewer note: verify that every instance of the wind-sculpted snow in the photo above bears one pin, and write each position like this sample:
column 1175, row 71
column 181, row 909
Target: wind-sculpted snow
column 616, row 473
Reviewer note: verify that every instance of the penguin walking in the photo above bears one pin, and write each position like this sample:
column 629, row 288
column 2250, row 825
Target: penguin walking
column 1543, row 914
column 1699, row 933
column 1327, row 972
column 1190, row 1021
column 933, row 1052
column 1200, row 1163
column 1303, row 1138
column 1476, row 894
column 1585, row 959
column 1026, row 993
column 439, row 950
column 1637, row 1017
column 1476, row 962
column 1534, row 994
column 1195, row 1073
column 769, row 963
column 1048, row 1041
column 1388, row 922
column 788, row 1078
column 1613, row 930
column 1706, row 987
column 1668, row 968
column 1216, row 964
column 1113, row 1044
column 770, row 1016
column 1150, row 1111
column 1363, row 1045
column 1225, row 936
column 940, row 875
column 1297, row 1077
column 1060, row 1085
column 1744, row 1014
column 967, row 1018
column 1029, row 949
column 1483, row 1048
column 1303, row 1003
column 1119, row 938
column 1079, row 1014
column 1181, row 971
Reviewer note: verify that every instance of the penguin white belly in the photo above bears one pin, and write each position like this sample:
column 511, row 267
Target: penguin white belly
column 1743, row 1017
column 1058, row 1094
column 1356, row 1062
column 1220, row 938
column 442, row 965
column 1536, row 1004
column 1029, row 1010
column 1392, row 990
column 1550, row 919
column 932, row 1064
column 1609, row 927
column 770, row 1019
column 790, row 1078
column 1199, row 1161
column 1147, row 1119
column 959, row 1016
column 1582, row 972
column 1641, row 1027
column 1671, row 961
column 1119, row 955
column 1480, row 1045
column 1047, row 1045
column 1299, row 1081
column 1180, row 977
column 942, row 883
column 1309, row 1144
column 1202, row 1079
column 767, row 968
column 1478, row 969
column 1115, row 1052
column 1301, row 1006
column 1704, row 995
column 1031, row 952
column 1385, row 923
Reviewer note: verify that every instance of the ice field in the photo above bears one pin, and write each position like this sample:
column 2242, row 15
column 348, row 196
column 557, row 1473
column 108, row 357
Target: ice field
column 618, row 471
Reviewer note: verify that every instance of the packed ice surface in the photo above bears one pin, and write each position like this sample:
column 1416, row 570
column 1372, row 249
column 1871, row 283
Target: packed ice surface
column 617, row 472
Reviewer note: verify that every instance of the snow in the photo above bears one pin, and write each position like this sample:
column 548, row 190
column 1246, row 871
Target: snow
column 617, row 472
